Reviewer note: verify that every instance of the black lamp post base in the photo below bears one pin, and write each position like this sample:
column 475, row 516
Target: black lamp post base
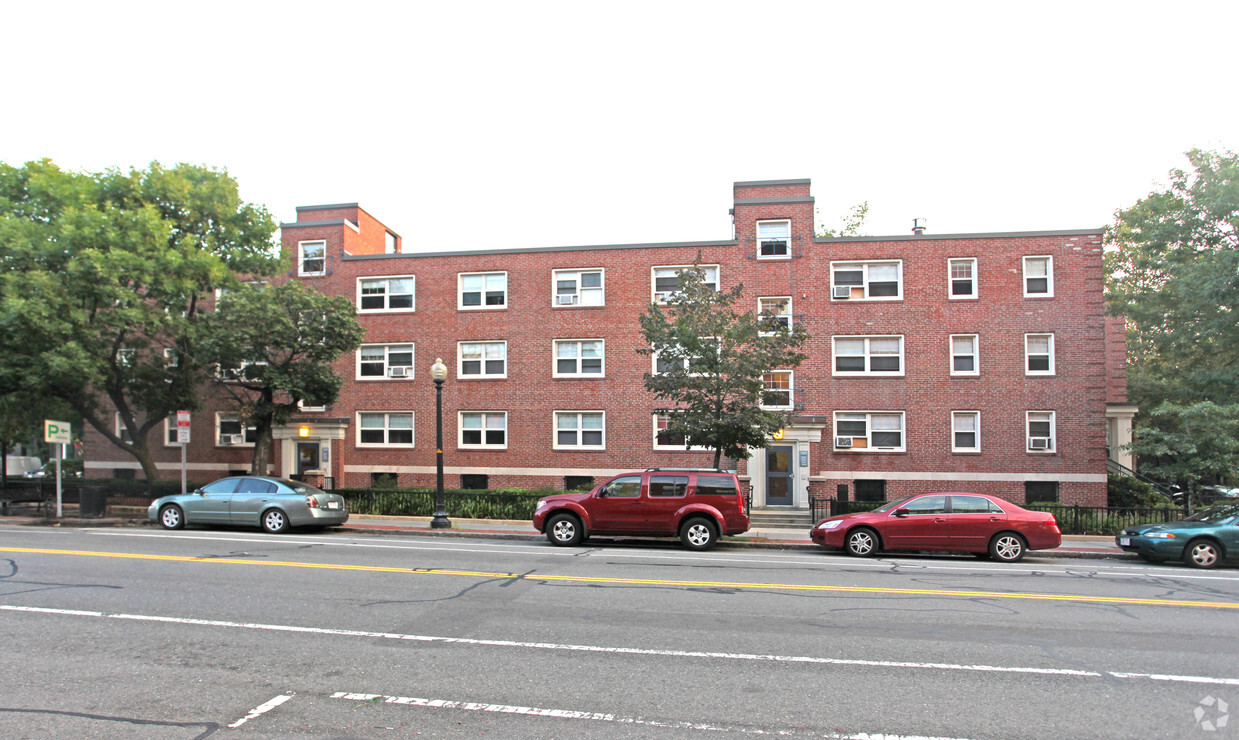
column 440, row 521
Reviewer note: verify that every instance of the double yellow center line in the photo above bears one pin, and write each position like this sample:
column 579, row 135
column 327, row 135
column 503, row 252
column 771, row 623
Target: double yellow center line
column 801, row 587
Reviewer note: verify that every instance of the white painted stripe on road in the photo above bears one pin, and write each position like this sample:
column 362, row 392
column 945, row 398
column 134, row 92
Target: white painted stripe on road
column 261, row 709
column 470, row 706
column 627, row 650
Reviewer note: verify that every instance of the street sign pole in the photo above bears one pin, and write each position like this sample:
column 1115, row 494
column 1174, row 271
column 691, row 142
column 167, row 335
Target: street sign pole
column 182, row 438
column 59, row 434
column 60, row 453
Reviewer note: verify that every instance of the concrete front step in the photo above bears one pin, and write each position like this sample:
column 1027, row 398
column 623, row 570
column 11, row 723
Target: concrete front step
column 780, row 518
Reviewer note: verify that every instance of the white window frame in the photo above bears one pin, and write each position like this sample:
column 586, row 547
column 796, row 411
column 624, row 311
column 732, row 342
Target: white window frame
column 486, row 415
column 121, row 430
column 387, row 294
column 387, row 365
column 387, row 429
column 975, row 355
column 170, row 358
column 685, row 363
column 580, row 293
column 950, row 278
column 169, row 431
column 791, row 390
column 680, row 448
column 483, row 306
column 785, row 238
column 309, row 409
column 460, row 360
column 245, row 431
column 1028, row 353
column 1049, row 276
column 580, row 430
column 580, row 349
column 976, row 431
column 1028, row 436
column 868, row 355
column 664, row 297
column 230, row 375
column 302, row 259
column 864, row 266
column 868, row 419
column 786, row 317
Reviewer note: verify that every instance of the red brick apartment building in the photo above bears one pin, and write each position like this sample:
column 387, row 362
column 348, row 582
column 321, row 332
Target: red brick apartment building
column 977, row 362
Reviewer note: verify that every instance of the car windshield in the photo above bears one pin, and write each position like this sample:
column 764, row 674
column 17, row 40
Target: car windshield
column 1216, row 515
column 890, row 505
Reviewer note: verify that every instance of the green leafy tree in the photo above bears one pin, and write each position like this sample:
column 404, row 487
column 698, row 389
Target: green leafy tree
column 712, row 359
column 275, row 346
column 853, row 222
column 103, row 279
column 1173, row 273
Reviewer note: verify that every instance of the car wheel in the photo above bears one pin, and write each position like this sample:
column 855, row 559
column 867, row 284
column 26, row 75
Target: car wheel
column 564, row 530
column 1203, row 554
column 1007, row 547
column 171, row 517
column 274, row 521
column 862, row 542
column 698, row 534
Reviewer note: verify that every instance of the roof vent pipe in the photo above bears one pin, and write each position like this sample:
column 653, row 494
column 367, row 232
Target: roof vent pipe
column 918, row 226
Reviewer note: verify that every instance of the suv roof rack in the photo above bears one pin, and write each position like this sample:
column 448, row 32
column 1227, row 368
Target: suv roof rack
column 688, row 470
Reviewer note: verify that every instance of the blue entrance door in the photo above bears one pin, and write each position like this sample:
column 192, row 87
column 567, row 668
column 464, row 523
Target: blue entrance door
column 779, row 476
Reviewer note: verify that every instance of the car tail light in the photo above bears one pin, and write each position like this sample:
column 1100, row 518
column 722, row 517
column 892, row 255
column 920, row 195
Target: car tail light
column 311, row 502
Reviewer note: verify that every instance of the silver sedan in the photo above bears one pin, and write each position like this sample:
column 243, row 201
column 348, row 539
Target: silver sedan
column 275, row 504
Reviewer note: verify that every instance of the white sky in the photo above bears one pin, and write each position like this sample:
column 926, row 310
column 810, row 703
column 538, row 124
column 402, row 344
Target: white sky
column 525, row 123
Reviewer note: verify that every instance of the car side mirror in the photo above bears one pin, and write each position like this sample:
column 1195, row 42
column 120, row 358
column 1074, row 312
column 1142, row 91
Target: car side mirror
column 902, row 512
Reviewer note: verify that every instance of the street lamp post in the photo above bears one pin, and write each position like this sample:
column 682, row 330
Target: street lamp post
column 438, row 371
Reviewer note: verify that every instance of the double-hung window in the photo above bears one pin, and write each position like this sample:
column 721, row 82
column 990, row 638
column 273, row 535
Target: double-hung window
column 311, row 258
column 578, row 288
column 169, row 431
column 964, row 359
column 701, row 364
column 774, row 239
column 580, row 430
column 386, row 294
column 868, row 355
column 229, row 432
column 578, row 358
column 1039, row 354
column 666, row 280
column 774, row 313
column 881, row 281
column 880, row 431
column 777, row 390
column 483, row 290
column 376, row 361
column 1041, row 433
column 1038, row 277
column 963, row 277
column 384, row 428
column 965, row 431
column 484, row 429
column 483, row 359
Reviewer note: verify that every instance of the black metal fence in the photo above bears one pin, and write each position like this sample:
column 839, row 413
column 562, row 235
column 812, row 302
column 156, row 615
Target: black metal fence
column 1100, row 520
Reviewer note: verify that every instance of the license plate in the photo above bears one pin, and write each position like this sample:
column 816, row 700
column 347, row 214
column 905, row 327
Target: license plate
column 1124, row 541
column 333, row 504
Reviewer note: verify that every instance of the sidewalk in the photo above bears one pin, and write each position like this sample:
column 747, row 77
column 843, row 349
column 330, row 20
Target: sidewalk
column 1074, row 546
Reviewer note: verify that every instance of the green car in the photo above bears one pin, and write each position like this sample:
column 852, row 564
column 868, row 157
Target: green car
column 1203, row 540
column 275, row 504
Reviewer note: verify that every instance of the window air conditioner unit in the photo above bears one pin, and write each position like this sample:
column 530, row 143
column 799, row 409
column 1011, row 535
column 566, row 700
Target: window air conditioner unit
column 400, row 371
column 566, row 300
column 233, row 439
column 1039, row 443
column 841, row 292
column 843, row 443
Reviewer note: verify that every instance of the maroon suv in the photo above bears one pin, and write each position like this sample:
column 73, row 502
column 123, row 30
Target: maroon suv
column 695, row 505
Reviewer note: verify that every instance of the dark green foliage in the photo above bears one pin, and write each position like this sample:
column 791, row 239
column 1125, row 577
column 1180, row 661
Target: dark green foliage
column 1129, row 492
column 515, row 504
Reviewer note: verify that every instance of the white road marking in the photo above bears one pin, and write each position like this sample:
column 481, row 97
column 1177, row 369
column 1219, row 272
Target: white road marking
column 469, row 706
column 818, row 560
column 803, row 659
column 261, row 709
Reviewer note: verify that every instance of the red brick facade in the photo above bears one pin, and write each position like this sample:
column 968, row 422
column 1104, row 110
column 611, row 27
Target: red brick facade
column 1084, row 370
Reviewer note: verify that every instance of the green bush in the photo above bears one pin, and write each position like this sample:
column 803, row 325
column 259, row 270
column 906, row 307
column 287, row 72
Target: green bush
column 1124, row 491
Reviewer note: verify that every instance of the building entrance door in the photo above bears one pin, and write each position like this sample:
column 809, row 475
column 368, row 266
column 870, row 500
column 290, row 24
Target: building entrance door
column 307, row 457
column 779, row 476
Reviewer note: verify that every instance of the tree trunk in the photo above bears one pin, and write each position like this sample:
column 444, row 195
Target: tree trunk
column 263, row 445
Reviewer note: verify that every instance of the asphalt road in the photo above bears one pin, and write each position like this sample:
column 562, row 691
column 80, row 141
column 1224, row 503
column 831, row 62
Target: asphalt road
column 137, row 633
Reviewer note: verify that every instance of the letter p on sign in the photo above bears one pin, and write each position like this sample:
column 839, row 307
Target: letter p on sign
column 57, row 432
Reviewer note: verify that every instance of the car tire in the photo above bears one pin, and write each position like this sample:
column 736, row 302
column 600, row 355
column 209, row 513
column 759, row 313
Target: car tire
column 698, row 533
column 1203, row 554
column 172, row 517
column 274, row 521
column 862, row 542
column 564, row 530
column 1007, row 547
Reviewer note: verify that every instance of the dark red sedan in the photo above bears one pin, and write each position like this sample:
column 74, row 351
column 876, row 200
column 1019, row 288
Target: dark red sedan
column 948, row 522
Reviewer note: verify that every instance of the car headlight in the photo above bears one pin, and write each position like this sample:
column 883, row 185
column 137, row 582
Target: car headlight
column 830, row 525
column 1159, row 535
